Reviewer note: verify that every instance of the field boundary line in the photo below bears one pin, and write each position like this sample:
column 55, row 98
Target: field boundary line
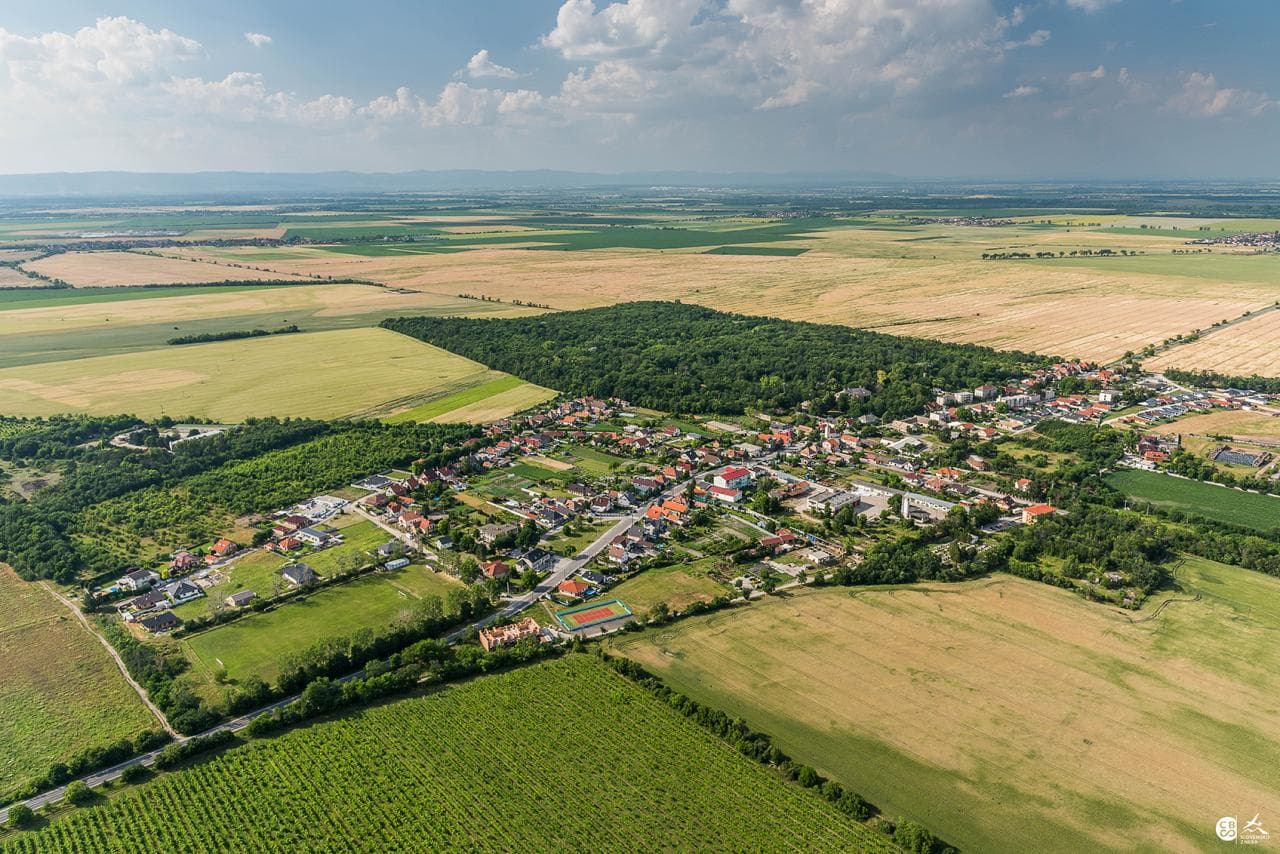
column 115, row 656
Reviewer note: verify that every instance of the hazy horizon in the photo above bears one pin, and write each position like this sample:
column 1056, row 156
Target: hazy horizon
column 914, row 89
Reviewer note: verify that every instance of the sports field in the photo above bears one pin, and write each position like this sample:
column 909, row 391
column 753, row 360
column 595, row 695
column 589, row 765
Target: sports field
column 257, row 645
column 1220, row 504
column 1006, row 715
column 61, row 691
column 320, row 375
column 421, row 775
column 587, row 616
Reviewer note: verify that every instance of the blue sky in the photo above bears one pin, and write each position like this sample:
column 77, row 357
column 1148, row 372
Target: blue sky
column 963, row 88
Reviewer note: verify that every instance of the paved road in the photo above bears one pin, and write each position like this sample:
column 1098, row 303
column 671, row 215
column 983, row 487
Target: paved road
column 566, row 567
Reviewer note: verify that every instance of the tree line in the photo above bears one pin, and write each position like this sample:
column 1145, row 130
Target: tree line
column 232, row 335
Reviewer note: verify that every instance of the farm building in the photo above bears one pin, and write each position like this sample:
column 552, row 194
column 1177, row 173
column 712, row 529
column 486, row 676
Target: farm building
column 1239, row 457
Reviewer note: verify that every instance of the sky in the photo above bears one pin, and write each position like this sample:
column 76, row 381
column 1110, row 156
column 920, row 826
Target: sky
column 1038, row 89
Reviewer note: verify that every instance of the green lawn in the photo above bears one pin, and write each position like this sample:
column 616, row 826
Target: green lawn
column 1217, row 503
column 677, row 586
column 256, row 645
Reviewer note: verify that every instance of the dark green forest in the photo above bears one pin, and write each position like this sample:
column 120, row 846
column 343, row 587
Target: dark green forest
column 686, row 358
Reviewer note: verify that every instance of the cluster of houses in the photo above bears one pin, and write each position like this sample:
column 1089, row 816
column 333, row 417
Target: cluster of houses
column 1166, row 407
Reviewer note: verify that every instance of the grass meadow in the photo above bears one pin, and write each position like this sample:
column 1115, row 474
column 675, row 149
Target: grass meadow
column 319, row 375
column 61, row 691
column 258, row 644
column 1008, row 715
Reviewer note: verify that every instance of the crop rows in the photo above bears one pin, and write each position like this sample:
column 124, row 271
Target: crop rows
column 564, row 755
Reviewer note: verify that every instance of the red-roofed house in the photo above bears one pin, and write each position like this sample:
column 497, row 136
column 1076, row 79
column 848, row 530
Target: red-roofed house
column 734, row 477
column 1037, row 511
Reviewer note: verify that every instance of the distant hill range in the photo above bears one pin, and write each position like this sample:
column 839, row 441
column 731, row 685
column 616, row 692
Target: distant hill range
column 195, row 184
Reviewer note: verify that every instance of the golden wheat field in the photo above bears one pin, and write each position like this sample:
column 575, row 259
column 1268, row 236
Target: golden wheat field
column 1096, row 312
column 113, row 269
column 1249, row 347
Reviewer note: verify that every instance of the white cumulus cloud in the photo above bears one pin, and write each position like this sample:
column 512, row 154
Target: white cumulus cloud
column 480, row 65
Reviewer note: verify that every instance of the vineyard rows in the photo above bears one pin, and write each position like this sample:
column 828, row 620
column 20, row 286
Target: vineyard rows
column 563, row 756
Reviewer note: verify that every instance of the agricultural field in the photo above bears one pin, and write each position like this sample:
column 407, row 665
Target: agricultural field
column 479, row 404
column 55, row 325
column 62, row 692
column 1230, row 422
column 419, row 774
column 113, row 269
column 1008, row 715
column 1206, row 500
column 1246, row 348
column 877, row 272
column 320, row 375
column 258, row 644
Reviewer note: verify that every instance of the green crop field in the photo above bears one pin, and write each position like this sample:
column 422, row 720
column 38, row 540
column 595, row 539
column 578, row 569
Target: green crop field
column 1208, row 501
column 561, row 756
column 61, row 691
column 13, row 300
column 1007, row 715
column 441, row 408
column 319, row 375
column 256, row 645
column 779, row 251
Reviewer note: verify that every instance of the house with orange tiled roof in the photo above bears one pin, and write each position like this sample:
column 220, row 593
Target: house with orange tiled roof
column 1030, row 515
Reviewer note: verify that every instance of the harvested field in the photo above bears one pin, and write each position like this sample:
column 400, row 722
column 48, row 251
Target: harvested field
column 11, row 278
column 81, row 323
column 859, row 277
column 62, row 692
column 1236, row 423
column 1007, row 715
column 319, row 375
column 1249, row 347
column 111, row 269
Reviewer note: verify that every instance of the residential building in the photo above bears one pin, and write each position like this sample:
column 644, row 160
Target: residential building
column 492, row 638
